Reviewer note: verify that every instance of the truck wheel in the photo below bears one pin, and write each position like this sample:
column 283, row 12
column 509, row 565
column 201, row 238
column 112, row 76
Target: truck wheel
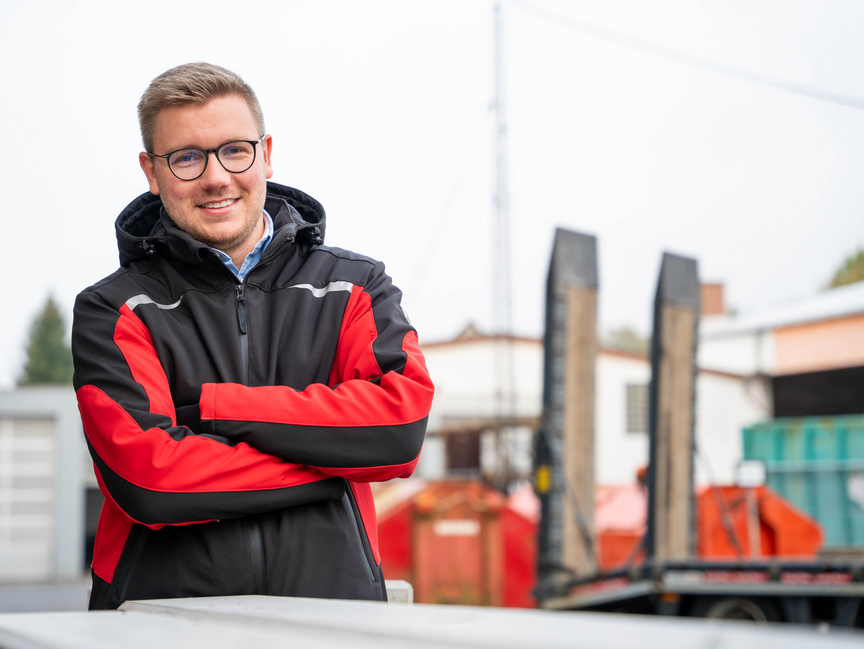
column 736, row 608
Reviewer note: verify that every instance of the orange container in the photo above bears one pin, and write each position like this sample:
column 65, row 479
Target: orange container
column 732, row 522
column 754, row 523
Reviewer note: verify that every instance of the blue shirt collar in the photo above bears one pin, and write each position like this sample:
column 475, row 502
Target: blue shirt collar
column 253, row 257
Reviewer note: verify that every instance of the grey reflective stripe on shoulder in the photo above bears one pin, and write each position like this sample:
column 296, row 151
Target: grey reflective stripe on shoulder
column 137, row 300
column 321, row 292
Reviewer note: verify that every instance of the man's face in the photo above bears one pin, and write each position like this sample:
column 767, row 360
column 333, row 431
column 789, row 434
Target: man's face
column 220, row 208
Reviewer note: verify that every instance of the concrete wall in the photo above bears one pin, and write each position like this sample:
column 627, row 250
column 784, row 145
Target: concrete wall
column 618, row 453
column 725, row 404
column 745, row 353
column 466, row 374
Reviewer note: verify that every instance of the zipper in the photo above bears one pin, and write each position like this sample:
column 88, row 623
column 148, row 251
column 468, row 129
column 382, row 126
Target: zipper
column 241, row 309
column 244, row 334
column 256, row 534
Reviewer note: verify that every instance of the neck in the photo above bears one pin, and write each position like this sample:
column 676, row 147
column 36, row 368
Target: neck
column 238, row 253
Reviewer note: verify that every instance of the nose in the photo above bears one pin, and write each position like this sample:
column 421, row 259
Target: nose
column 215, row 175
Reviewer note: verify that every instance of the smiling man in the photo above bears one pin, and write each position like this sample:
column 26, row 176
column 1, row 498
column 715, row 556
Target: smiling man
column 240, row 384
column 224, row 208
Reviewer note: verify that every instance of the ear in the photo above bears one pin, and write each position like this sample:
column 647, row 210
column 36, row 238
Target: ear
column 266, row 151
column 147, row 165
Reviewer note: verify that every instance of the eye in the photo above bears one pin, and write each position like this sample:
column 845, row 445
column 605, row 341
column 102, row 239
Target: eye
column 235, row 150
column 185, row 158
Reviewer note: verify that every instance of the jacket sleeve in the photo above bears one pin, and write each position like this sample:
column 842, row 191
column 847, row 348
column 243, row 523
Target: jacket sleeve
column 367, row 424
column 157, row 472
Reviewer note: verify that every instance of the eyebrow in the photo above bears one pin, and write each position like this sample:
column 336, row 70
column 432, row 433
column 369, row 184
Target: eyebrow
column 201, row 148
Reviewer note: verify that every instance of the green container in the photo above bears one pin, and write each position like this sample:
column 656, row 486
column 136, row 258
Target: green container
column 817, row 463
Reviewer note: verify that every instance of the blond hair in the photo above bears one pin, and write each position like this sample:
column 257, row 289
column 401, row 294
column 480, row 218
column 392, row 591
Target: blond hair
column 191, row 83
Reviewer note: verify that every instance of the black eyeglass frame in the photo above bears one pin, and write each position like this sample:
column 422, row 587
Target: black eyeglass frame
column 207, row 153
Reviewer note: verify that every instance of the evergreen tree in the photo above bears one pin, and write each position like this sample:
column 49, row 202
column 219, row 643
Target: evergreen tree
column 851, row 271
column 49, row 358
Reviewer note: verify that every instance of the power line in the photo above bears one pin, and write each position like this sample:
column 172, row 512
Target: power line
column 687, row 59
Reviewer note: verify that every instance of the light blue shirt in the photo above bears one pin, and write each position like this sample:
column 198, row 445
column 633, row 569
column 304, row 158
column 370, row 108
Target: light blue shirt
column 253, row 257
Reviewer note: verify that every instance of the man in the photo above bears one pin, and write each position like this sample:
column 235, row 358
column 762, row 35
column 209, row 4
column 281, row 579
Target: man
column 240, row 384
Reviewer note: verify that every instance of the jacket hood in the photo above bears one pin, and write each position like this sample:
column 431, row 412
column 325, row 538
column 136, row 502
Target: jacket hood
column 144, row 228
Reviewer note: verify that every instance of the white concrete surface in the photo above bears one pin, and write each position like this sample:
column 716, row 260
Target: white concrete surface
column 264, row 622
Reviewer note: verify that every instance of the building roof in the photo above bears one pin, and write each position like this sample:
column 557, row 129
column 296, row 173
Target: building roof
column 834, row 303
column 471, row 335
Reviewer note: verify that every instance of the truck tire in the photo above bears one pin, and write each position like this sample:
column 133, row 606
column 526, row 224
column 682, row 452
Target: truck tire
column 736, row 608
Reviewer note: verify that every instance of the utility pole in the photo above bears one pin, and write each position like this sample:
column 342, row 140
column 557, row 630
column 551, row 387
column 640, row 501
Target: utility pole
column 505, row 388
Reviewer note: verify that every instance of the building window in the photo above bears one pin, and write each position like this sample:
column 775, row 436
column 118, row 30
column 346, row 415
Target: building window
column 637, row 408
column 463, row 452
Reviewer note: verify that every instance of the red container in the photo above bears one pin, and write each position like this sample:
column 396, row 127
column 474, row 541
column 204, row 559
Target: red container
column 459, row 542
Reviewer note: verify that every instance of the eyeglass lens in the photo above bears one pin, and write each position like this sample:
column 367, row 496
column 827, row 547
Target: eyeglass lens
column 190, row 163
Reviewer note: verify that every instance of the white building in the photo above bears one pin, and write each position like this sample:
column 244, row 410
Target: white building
column 467, row 376
column 811, row 351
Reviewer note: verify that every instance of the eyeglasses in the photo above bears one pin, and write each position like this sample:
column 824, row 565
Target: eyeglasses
column 189, row 164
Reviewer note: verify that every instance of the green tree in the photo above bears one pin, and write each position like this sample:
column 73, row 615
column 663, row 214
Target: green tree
column 626, row 339
column 850, row 271
column 49, row 358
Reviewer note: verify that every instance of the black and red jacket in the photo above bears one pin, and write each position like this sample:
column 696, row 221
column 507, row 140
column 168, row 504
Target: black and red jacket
column 235, row 426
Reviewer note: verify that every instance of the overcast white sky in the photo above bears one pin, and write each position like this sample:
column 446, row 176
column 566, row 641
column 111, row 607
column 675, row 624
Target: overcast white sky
column 381, row 110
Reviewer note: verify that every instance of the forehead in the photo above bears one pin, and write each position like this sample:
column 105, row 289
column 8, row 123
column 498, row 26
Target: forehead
column 206, row 125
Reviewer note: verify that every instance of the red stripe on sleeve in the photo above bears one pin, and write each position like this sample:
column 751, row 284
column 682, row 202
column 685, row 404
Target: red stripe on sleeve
column 397, row 399
column 153, row 460
column 356, row 361
column 135, row 343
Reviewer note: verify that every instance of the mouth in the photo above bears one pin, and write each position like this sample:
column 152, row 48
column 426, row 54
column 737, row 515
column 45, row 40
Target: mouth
column 218, row 204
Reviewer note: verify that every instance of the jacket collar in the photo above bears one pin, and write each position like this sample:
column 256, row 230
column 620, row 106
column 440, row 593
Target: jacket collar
column 144, row 228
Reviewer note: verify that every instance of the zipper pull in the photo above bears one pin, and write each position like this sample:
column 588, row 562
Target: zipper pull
column 241, row 308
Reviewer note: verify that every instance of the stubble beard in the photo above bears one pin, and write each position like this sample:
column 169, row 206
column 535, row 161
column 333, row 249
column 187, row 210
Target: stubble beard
column 229, row 243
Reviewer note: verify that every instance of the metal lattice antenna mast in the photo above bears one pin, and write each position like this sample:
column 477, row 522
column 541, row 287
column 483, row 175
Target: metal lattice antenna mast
column 505, row 389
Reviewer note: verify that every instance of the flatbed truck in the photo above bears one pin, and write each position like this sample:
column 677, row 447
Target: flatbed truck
column 804, row 592
column 671, row 580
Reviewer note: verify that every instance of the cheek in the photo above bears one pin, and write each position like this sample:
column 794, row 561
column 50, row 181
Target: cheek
column 172, row 193
column 254, row 183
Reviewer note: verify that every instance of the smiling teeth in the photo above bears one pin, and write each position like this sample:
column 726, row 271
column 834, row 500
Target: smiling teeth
column 213, row 206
